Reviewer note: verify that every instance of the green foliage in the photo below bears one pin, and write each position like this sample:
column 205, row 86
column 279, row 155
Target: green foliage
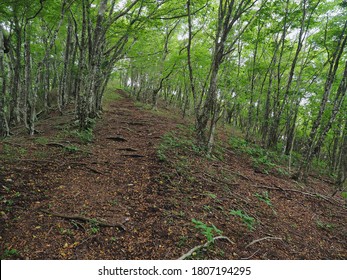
column 264, row 162
column 211, row 195
column 66, row 231
column 113, row 239
column 326, row 226
column 182, row 241
column 114, row 202
column 344, row 195
column 10, row 253
column 94, row 226
column 94, row 229
column 261, row 158
column 13, row 152
column 264, row 197
column 176, row 145
column 247, row 220
column 207, row 208
column 208, row 231
column 86, row 136
column 111, row 94
column 71, row 148
column 42, row 140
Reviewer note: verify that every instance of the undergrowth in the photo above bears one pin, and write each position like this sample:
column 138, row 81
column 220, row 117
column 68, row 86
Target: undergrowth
column 208, row 231
column 263, row 159
column 177, row 144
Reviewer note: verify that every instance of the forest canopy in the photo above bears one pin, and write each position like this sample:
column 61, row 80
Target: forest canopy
column 275, row 69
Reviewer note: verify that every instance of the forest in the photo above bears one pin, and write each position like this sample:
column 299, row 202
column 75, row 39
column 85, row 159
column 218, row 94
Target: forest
column 197, row 98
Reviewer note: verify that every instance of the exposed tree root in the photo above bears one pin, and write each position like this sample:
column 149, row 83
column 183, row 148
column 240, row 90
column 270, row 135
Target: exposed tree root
column 133, row 156
column 128, row 149
column 251, row 256
column 316, row 195
column 261, row 239
column 84, row 219
column 190, row 252
column 117, row 138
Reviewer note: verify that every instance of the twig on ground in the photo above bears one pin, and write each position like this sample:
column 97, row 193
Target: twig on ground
column 84, row 219
column 261, row 239
column 54, row 144
column 251, row 255
column 317, row 195
column 190, row 252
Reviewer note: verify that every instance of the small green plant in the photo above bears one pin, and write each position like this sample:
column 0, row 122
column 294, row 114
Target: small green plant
column 67, row 231
column 248, row 220
column 86, row 136
column 42, row 140
column 207, row 231
column 323, row 225
column 212, row 195
column 13, row 152
column 263, row 161
column 71, row 148
column 9, row 202
column 207, row 208
column 182, row 241
column 161, row 155
column 221, row 252
column 114, row 202
column 94, row 229
column 9, row 253
column 170, row 142
column 94, row 226
column 282, row 171
column 264, row 197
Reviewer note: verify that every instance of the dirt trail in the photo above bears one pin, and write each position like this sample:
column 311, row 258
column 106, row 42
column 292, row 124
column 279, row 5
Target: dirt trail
column 112, row 183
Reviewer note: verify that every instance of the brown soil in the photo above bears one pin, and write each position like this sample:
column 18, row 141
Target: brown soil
column 119, row 198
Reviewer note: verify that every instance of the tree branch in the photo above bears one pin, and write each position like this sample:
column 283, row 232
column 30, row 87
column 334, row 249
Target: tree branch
column 190, row 252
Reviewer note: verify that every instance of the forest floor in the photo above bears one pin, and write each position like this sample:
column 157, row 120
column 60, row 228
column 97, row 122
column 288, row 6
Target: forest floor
column 137, row 187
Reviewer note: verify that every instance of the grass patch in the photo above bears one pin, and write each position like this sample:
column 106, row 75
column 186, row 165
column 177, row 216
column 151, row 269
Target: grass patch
column 13, row 152
column 42, row 140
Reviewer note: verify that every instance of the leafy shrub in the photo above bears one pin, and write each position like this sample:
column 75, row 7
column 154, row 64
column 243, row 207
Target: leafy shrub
column 248, row 220
column 207, row 231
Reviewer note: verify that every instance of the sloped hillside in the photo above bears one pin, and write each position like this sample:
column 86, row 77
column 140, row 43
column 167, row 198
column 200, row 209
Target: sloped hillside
column 136, row 186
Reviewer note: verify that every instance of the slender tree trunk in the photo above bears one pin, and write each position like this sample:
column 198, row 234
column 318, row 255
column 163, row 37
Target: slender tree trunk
column 4, row 129
column 29, row 92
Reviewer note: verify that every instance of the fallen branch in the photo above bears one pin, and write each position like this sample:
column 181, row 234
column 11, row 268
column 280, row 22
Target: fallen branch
column 261, row 239
column 84, row 219
column 117, row 138
column 229, row 184
column 243, row 176
column 128, row 149
column 54, row 144
column 203, row 246
column 316, row 195
column 133, row 155
column 251, row 256
column 94, row 170
column 136, row 123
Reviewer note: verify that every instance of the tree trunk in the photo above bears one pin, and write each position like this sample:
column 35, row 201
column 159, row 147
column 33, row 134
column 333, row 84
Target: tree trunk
column 4, row 129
